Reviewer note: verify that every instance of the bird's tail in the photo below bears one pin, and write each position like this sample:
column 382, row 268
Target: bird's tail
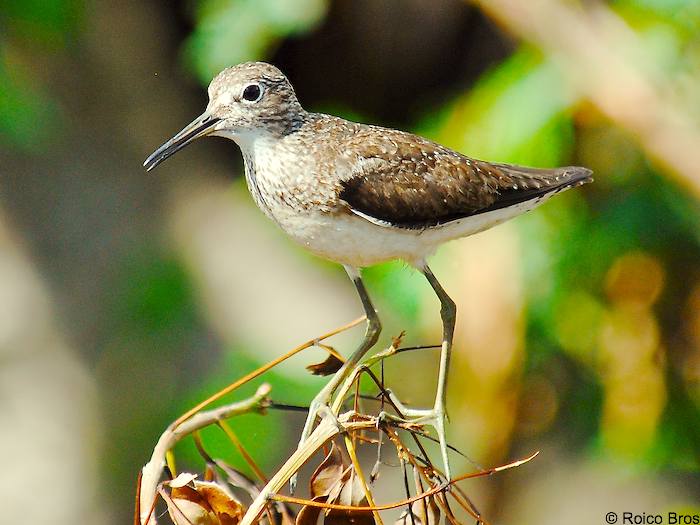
column 538, row 183
column 568, row 176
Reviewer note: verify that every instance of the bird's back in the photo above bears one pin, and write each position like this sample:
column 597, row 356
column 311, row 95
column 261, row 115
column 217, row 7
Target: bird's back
column 404, row 180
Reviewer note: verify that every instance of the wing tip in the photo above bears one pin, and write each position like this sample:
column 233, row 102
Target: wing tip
column 578, row 175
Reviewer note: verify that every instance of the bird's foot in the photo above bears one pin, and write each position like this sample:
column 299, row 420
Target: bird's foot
column 435, row 417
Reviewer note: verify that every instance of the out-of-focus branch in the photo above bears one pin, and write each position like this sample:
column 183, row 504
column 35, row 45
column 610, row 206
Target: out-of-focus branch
column 605, row 62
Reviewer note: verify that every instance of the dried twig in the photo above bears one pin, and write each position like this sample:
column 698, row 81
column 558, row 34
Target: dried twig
column 248, row 377
column 351, row 424
column 153, row 470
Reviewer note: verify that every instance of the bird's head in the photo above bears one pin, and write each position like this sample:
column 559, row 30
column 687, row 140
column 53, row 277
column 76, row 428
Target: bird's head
column 245, row 101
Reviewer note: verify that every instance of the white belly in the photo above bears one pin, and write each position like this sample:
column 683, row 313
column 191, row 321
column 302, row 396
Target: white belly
column 353, row 240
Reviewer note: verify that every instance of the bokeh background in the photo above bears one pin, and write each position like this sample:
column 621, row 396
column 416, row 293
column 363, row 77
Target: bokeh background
column 127, row 297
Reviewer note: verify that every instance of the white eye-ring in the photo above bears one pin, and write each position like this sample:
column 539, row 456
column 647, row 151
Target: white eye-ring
column 252, row 93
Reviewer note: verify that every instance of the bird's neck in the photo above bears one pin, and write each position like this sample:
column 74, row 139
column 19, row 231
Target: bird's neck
column 257, row 152
column 253, row 142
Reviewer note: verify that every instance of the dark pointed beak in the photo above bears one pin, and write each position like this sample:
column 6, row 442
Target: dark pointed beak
column 199, row 127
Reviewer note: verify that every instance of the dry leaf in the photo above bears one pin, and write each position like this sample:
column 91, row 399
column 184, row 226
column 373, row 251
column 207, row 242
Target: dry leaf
column 329, row 366
column 336, row 482
column 327, row 474
column 186, row 507
column 418, row 509
column 308, row 515
column 227, row 509
column 184, row 478
column 206, row 503
column 337, row 488
column 352, row 492
column 184, row 512
column 283, row 515
column 396, row 341
column 346, row 517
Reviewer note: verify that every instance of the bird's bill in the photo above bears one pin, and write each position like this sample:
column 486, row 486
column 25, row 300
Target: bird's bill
column 199, row 127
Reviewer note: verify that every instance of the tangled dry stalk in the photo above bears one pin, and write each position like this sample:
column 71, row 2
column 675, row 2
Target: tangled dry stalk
column 339, row 487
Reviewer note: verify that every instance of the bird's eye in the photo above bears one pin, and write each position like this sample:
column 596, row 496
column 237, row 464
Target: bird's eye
column 252, row 93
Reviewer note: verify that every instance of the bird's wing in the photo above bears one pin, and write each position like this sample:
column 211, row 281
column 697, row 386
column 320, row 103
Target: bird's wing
column 403, row 180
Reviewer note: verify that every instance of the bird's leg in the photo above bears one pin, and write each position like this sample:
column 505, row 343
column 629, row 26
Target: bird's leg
column 448, row 313
column 372, row 332
column 437, row 415
column 371, row 336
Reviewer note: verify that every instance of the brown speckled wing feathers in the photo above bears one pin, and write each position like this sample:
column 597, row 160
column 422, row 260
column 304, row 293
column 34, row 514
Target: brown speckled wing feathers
column 410, row 182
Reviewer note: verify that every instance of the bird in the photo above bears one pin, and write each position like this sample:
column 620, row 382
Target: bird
column 359, row 194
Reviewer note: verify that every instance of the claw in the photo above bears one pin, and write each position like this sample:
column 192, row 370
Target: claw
column 381, row 418
column 435, row 417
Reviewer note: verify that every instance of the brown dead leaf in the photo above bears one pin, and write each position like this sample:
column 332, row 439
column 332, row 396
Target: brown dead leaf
column 396, row 341
column 327, row 474
column 283, row 515
column 337, row 488
column 186, row 506
column 335, row 482
column 205, row 503
column 308, row 515
column 346, row 517
column 329, row 366
column 418, row 510
column 184, row 512
column 352, row 492
column 227, row 509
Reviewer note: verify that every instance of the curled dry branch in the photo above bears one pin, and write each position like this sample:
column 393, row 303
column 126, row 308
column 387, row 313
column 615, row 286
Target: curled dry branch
column 153, row 470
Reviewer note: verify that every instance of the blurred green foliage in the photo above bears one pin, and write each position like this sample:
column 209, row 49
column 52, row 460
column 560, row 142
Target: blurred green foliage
column 582, row 321
column 23, row 104
column 51, row 23
column 232, row 31
column 28, row 113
